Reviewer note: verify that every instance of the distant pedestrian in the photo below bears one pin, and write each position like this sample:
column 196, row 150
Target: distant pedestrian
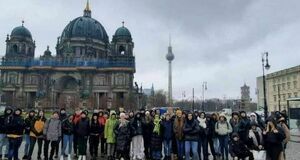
column 191, row 136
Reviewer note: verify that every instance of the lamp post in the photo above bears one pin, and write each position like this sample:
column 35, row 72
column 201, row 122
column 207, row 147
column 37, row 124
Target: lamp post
column 204, row 88
column 267, row 67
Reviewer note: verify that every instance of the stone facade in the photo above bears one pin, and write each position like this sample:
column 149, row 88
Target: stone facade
column 280, row 86
column 87, row 70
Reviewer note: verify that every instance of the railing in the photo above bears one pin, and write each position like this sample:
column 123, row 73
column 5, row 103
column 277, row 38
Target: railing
column 99, row 63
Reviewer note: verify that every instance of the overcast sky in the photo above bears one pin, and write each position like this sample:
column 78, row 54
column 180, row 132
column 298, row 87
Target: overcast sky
column 218, row 41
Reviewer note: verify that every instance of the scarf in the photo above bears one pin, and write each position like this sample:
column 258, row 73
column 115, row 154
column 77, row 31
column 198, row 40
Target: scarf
column 156, row 125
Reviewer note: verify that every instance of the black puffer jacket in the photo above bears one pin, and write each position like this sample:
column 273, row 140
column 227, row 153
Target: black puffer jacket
column 67, row 127
column 243, row 128
column 15, row 124
column 136, row 126
column 28, row 122
column 96, row 128
column 82, row 128
column 122, row 133
column 191, row 130
column 7, row 113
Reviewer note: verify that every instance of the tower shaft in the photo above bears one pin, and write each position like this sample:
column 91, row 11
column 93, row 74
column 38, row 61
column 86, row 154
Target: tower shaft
column 170, row 99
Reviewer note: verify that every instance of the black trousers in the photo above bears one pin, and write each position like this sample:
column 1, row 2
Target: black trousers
column 94, row 144
column 103, row 145
column 32, row 144
column 211, row 146
column 54, row 145
column 75, row 144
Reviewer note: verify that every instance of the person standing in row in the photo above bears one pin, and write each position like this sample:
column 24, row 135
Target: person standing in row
column 102, row 121
column 95, row 131
column 36, row 134
column 203, row 134
column 68, row 133
column 52, row 133
column 156, row 140
column 178, row 132
column 137, row 142
column 82, row 130
column 3, row 130
column 110, row 135
column 167, row 135
column 147, row 131
column 122, row 132
column 76, row 118
column 28, row 123
column 223, row 129
column 191, row 136
column 15, row 127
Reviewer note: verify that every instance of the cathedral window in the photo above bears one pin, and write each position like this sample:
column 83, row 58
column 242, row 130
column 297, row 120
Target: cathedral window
column 122, row 50
column 15, row 48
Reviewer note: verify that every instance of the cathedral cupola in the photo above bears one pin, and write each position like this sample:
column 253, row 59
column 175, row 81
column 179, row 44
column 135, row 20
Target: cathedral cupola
column 122, row 41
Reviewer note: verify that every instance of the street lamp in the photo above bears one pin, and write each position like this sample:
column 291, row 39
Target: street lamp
column 267, row 67
column 204, row 88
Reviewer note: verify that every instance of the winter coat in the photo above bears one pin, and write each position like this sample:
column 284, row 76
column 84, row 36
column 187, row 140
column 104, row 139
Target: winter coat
column 95, row 128
column 2, row 120
column 191, row 130
column 52, row 129
column 156, row 142
column 136, row 127
column 67, row 127
column 37, row 127
column 28, row 123
column 109, row 130
column 82, row 128
column 211, row 129
column 223, row 128
column 255, row 139
column 15, row 126
column 243, row 129
column 178, row 128
column 167, row 130
column 122, row 133
column 63, row 116
column 272, row 138
column 147, row 131
column 234, row 124
column 238, row 149
column 204, row 130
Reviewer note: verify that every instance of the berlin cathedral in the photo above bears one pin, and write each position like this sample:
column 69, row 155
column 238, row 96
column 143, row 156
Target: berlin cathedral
column 87, row 71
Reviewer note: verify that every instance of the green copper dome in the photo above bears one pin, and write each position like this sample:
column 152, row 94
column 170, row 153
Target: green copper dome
column 85, row 27
column 123, row 31
column 21, row 31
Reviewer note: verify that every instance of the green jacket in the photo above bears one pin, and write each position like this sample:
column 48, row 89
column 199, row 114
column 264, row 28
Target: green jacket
column 109, row 130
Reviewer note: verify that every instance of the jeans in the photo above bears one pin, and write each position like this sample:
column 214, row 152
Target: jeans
column 27, row 144
column 3, row 143
column 202, row 143
column 216, row 146
column 167, row 147
column 110, row 149
column 224, row 146
column 32, row 144
column 156, row 154
column 191, row 145
column 14, row 145
column 180, row 149
column 67, row 142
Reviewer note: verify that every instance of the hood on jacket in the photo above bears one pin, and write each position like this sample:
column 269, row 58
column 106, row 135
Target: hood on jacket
column 8, row 111
column 241, row 112
column 253, row 115
column 235, row 113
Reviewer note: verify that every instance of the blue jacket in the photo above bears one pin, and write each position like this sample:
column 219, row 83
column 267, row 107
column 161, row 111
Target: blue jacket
column 167, row 129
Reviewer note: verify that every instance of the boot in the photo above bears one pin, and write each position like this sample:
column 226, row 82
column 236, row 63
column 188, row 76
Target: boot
column 69, row 157
column 62, row 157
column 80, row 157
column 83, row 157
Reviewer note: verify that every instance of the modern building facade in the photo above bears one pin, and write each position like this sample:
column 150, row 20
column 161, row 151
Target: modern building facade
column 88, row 70
column 280, row 86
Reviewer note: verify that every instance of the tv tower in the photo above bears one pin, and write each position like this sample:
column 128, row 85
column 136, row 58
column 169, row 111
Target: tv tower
column 170, row 57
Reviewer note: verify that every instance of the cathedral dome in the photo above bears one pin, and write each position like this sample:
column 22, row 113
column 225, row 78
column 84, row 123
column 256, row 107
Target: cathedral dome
column 85, row 27
column 21, row 31
column 122, row 33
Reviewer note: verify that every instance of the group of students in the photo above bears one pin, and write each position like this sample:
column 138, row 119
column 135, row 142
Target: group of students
column 144, row 134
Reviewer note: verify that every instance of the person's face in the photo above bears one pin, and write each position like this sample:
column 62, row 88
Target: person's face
column 252, row 117
column 253, row 127
column 235, row 116
column 236, row 139
column 100, row 114
column 70, row 118
column 179, row 114
column 17, row 112
column 55, row 115
column 138, row 115
column 167, row 117
column 8, row 111
column 190, row 116
column 41, row 113
column 122, row 117
column 243, row 114
column 183, row 115
column 202, row 115
column 83, row 115
column 95, row 117
column 105, row 116
column 131, row 114
column 31, row 114
column 62, row 112
column 222, row 118
column 78, row 112
column 113, row 116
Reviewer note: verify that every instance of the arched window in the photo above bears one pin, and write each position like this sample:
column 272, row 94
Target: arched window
column 122, row 50
column 15, row 48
